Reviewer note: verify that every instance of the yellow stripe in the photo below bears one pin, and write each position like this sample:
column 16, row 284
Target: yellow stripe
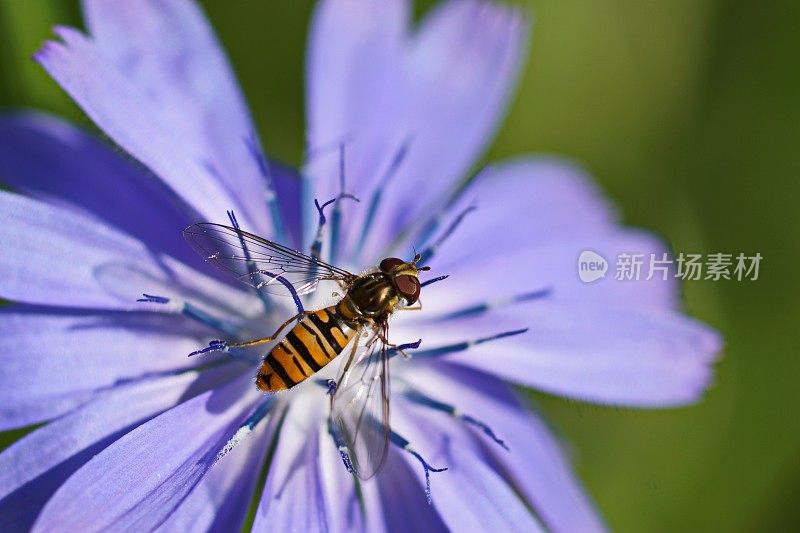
column 328, row 351
column 340, row 337
column 312, row 343
column 284, row 357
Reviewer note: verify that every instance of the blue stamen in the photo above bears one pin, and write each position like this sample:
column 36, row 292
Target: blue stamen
column 258, row 414
column 215, row 345
column 401, row 348
column 433, row 280
column 337, row 211
column 153, row 299
column 338, row 441
column 428, row 252
column 429, row 229
column 198, row 315
column 251, row 266
column 461, row 346
column 403, row 444
column 317, row 151
column 421, row 399
column 270, row 196
column 377, row 196
column 201, row 316
column 487, row 306
column 306, row 201
column 316, row 247
column 307, row 187
column 486, row 429
column 332, row 386
column 289, row 287
column 195, row 313
column 409, row 345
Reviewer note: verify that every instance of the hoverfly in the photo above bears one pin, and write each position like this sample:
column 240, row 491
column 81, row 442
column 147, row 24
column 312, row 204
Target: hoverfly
column 358, row 325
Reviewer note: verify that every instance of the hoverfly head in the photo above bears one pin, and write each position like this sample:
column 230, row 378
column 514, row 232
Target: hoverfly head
column 405, row 277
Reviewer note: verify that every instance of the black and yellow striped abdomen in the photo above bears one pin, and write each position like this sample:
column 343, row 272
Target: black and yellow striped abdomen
column 313, row 343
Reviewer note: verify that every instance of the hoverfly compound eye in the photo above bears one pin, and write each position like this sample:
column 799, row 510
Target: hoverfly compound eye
column 409, row 288
column 390, row 263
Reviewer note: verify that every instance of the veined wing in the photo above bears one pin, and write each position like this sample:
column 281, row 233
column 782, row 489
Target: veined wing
column 360, row 407
column 259, row 262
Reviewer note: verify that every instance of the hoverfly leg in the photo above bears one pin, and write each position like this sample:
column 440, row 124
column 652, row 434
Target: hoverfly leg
column 417, row 308
column 271, row 337
column 217, row 345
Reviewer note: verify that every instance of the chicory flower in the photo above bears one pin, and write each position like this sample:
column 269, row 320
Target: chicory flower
column 140, row 437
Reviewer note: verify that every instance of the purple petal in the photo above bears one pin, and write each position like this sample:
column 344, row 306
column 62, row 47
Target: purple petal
column 138, row 481
column 598, row 354
column 532, row 218
column 287, row 184
column 154, row 78
column 470, row 491
column 293, row 498
column 350, row 73
column 27, row 411
column 55, row 162
column 552, row 269
column 53, row 357
column 342, row 506
column 352, row 77
column 528, row 202
column 53, row 256
column 34, row 467
column 50, row 255
column 395, row 502
column 222, row 498
column 534, row 463
column 440, row 91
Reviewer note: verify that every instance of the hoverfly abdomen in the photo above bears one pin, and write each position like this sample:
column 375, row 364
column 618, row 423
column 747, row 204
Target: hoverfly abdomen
column 311, row 344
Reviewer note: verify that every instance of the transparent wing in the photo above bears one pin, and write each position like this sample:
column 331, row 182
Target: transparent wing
column 360, row 407
column 258, row 262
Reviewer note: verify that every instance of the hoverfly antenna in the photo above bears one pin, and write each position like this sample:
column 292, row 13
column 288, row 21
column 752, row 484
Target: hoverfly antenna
column 417, row 257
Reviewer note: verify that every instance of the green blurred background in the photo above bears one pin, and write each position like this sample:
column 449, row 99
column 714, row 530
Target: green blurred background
column 687, row 113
